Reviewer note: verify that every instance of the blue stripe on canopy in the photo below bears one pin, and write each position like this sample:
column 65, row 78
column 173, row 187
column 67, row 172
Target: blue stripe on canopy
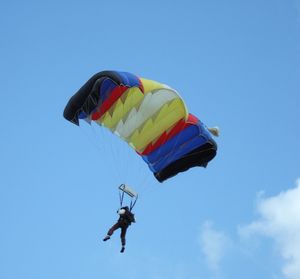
column 186, row 141
column 129, row 79
column 105, row 89
column 178, row 153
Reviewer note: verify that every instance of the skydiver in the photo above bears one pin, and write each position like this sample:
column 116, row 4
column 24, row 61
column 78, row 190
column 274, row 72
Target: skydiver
column 124, row 221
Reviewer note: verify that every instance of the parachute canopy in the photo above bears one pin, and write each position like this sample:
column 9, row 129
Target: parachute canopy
column 150, row 116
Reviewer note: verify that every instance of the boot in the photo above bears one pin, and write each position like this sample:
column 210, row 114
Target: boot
column 106, row 238
column 123, row 249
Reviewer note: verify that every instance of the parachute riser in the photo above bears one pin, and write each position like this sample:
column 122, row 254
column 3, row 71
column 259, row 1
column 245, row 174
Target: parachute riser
column 132, row 203
column 121, row 197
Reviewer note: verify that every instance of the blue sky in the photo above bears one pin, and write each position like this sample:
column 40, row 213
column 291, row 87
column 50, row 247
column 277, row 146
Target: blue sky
column 235, row 63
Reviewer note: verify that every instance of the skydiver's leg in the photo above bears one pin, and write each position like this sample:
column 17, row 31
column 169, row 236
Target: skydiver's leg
column 123, row 237
column 111, row 231
column 113, row 228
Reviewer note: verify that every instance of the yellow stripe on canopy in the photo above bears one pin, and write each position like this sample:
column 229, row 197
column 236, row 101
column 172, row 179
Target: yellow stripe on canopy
column 132, row 98
column 150, row 85
column 169, row 114
column 120, row 117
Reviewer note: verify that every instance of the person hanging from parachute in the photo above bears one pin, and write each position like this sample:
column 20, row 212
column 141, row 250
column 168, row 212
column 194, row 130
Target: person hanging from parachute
column 126, row 216
column 152, row 118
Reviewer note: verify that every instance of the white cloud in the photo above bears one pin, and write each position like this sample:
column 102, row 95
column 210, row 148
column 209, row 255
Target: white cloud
column 280, row 220
column 213, row 244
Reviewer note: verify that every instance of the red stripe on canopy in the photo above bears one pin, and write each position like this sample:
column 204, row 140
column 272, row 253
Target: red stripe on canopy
column 180, row 125
column 107, row 104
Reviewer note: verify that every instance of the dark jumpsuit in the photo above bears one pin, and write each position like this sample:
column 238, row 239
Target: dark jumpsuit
column 123, row 223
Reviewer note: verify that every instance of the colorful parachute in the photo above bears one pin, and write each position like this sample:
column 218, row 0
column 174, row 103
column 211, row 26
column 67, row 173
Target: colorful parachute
column 150, row 116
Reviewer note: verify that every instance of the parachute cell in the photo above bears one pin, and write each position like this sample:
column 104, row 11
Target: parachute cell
column 150, row 116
